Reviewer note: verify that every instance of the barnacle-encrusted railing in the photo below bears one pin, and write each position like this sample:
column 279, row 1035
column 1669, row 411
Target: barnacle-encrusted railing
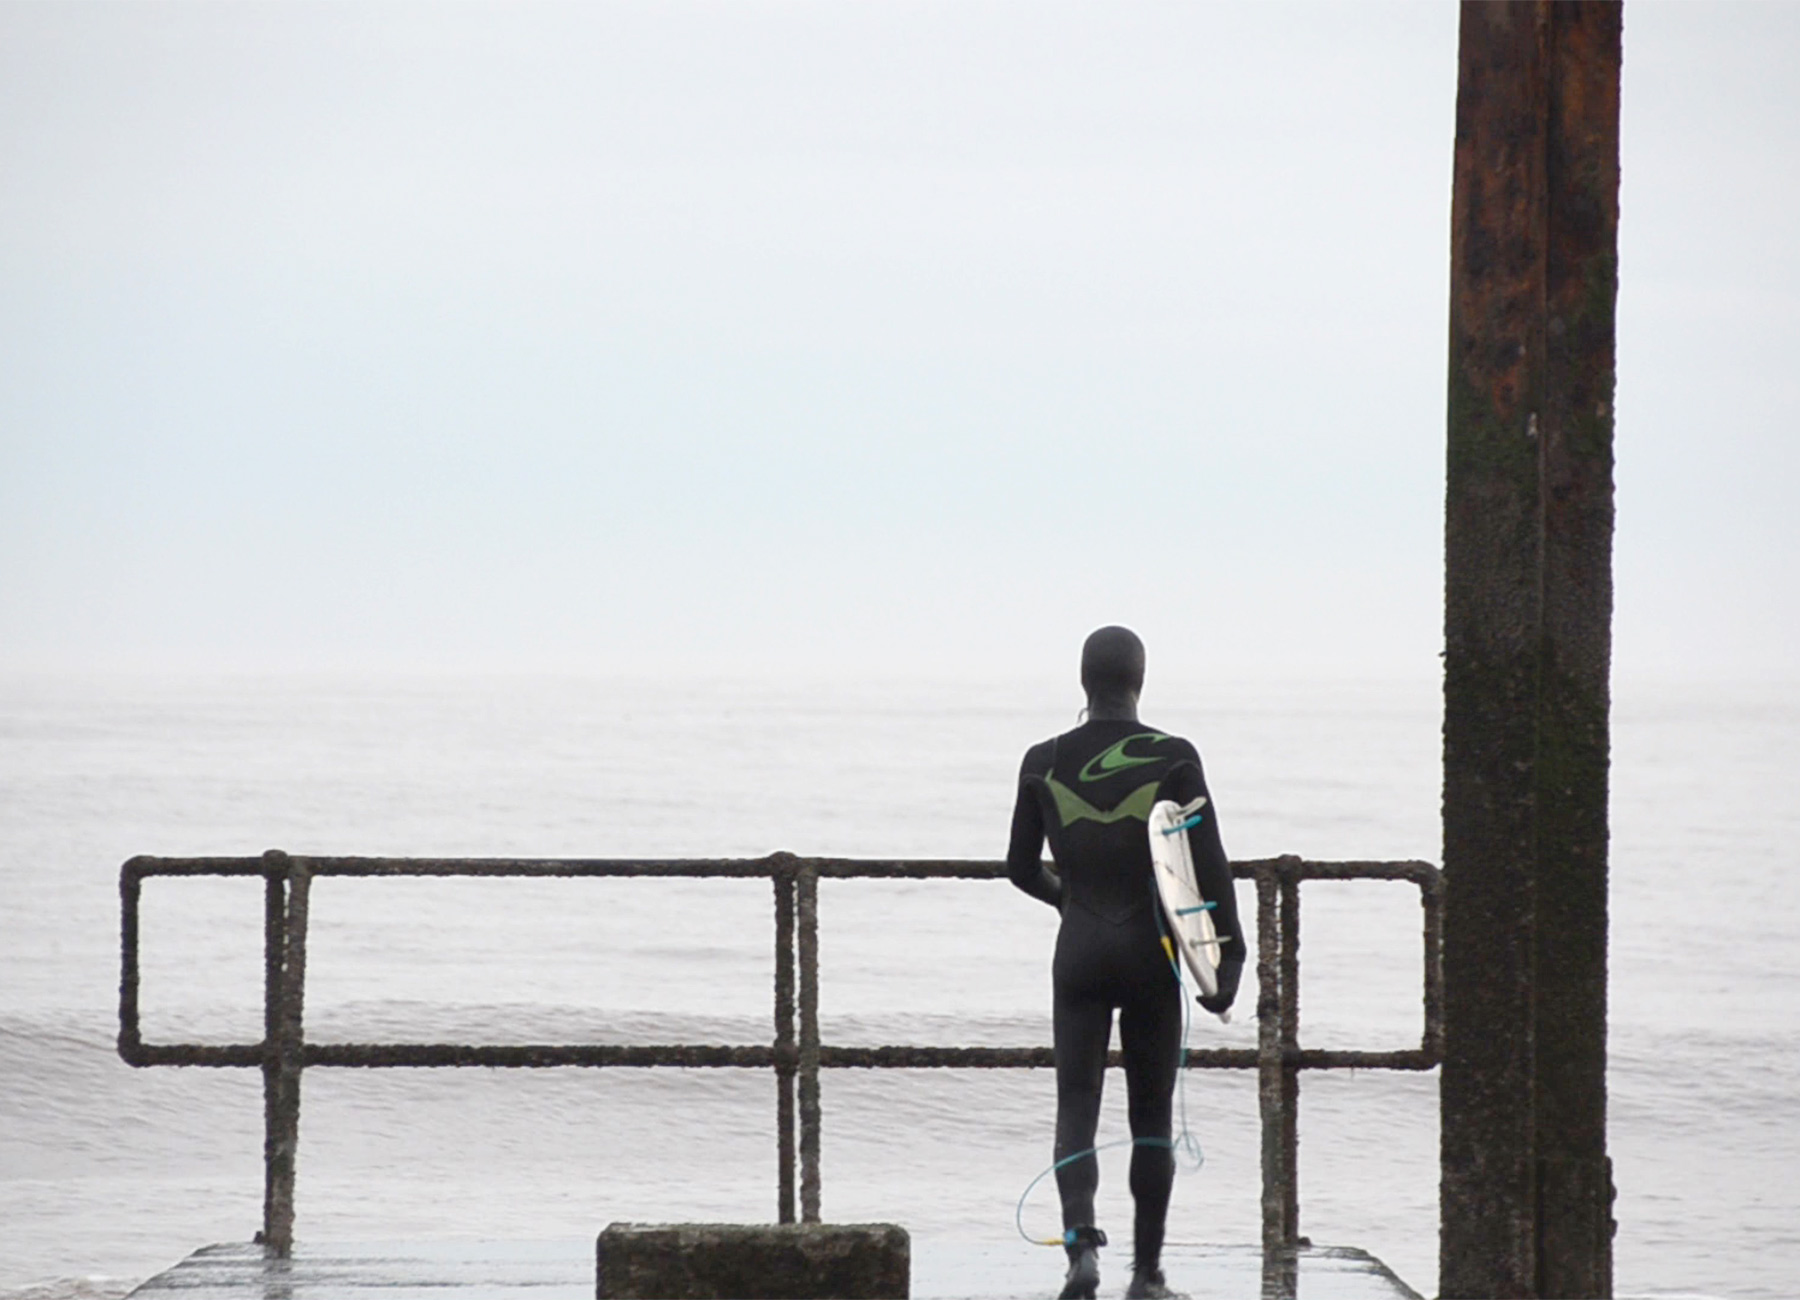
column 795, row 1054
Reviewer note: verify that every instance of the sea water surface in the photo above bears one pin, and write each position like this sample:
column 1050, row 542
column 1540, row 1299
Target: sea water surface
column 109, row 1174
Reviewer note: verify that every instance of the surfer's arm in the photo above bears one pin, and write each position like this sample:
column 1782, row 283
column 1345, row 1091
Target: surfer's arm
column 1212, row 870
column 1025, row 866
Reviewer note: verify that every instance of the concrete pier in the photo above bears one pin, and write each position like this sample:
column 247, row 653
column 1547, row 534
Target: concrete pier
column 1000, row 1269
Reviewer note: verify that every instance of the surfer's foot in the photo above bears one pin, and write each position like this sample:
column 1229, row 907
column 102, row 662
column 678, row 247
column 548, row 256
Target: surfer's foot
column 1083, row 1245
column 1148, row 1284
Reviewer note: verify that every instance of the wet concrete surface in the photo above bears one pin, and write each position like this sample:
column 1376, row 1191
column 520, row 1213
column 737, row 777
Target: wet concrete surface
column 942, row 1269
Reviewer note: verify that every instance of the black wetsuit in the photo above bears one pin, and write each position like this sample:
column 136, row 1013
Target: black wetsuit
column 1090, row 791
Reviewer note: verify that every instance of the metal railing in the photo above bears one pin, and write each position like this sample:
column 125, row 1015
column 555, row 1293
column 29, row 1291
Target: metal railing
column 796, row 1054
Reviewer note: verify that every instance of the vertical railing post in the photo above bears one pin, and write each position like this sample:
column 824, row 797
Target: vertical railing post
column 287, row 890
column 1431, row 897
column 786, row 1053
column 1290, row 1051
column 130, row 894
column 274, row 954
column 808, row 888
column 1268, row 1066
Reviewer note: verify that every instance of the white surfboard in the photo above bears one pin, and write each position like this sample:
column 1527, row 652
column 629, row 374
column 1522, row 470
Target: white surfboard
column 1187, row 913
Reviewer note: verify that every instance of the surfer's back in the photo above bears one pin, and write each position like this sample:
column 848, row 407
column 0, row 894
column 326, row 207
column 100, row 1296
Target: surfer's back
column 1091, row 790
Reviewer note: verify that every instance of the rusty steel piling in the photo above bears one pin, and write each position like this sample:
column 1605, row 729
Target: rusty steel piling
column 1526, row 1192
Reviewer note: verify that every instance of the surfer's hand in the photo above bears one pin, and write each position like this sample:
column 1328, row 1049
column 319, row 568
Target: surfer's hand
column 1229, row 974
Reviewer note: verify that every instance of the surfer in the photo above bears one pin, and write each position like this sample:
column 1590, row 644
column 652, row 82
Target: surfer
column 1090, row 791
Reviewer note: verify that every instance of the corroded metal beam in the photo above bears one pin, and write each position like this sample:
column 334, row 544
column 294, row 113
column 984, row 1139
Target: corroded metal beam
column 1528, row 603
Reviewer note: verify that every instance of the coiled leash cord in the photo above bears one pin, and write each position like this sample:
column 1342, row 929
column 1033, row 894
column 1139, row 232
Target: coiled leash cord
column 1184, row 1144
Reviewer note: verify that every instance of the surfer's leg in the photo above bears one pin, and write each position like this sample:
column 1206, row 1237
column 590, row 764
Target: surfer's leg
column 1150, row 1041
column 1082, row 1022
column 1083, row 1026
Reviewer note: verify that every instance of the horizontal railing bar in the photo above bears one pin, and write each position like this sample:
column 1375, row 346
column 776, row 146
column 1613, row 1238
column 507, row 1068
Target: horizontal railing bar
column 905, row 869
column 142, row 867
column 1004, row 1058
column 694, row 868
column 223, row 1055
column 539, row 1056
column 542, row 1056
column 1415, row 872
column 1325, row 1058
column 718, row 868
column 697, row 868
column 1011, row 1058
column 1198, row 1058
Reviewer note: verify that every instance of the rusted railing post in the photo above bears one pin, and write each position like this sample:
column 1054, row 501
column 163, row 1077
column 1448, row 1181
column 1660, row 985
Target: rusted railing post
column 1290, row 1051
column 286, row 896
column 1431, row 902
column 274, row 955
column 786, row 1053
column 131, row 888
column 808, row 888
column 1269, row 1071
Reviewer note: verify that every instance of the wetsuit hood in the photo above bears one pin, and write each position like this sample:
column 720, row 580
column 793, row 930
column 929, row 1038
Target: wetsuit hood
column 1112, row 667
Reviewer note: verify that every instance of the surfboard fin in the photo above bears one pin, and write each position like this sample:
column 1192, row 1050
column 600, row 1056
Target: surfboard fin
column 1190, row 816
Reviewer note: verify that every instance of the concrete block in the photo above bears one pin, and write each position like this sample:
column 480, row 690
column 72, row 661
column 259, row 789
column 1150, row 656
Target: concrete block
column 753, row 1261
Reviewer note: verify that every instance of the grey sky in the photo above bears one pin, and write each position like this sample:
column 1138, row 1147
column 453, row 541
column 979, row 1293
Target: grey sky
column 689, row 338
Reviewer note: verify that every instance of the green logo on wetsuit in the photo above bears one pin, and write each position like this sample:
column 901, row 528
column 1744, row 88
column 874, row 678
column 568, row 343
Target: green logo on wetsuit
column 1115, row 759
column 1072, row 808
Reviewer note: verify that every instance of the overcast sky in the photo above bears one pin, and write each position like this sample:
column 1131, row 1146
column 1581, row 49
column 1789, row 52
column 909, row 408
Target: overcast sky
column 697, row 338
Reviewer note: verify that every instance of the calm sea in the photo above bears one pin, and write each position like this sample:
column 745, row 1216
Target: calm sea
column 109, row 1174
